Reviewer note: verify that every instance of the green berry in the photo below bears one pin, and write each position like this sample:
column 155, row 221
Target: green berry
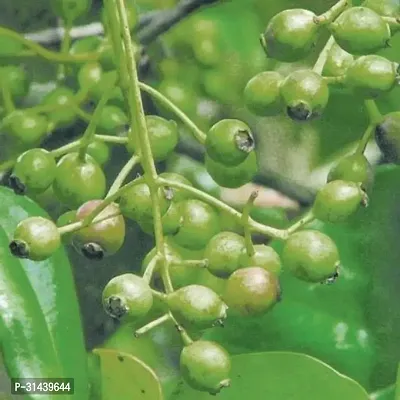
column 67, row 218
column 353, row 168
column 369, row 76
column 387, row 135
column 99, row 151
column 127, row 296
column 15, row 79
column 70, row 10
column 35, row 238
column 163, row 135
column 223, row 252
column 63, row 99
column 229, row 142
column 338, row 200
column 34, row 171
column 112, row 120
column 360, row 30
column 311, row 256
column 232, row 177
column 135, row 203
column 205, row 366
column 198, row 225
column 78, row 181
column 305, row 94
column 337, row 61
column 98, row 88
column 290, row 35
column 101, row 238
column 90, row 75
column 85, row 45
column 387, row 8
column 264, row 257
column 251, row 291
column 206, row 52
column 262, row 94
column 197, row 305
column 177, row 194
column 26, row 128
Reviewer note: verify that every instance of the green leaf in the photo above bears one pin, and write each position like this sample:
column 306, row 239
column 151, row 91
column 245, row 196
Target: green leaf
column 41, row 326
column 126, row 377
column 281, row 375
column 384, row 394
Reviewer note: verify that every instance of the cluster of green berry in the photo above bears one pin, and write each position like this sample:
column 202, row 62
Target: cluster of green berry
column 198, row 273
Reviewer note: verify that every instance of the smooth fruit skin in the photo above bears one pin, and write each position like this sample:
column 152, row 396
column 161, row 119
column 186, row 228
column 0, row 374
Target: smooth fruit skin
column 369, row 76
column 232, row 177
column 264, row 257
column 78, row 181
column 26, row 128
column 127, row 296
column 85, row 45
column 337, row 62
column 34, row 171
column 353, row 168
column 223, row 252
column 337, row 201
column 63, row 98
column 99, row 151
column 15, row 79
column 262, row 94
column 112, row 120
column 290, row 35
column 360, row 30
column 310, row 256
column 387, row 135
column 205, row 366
column 387, row 8
column 135, row 203
column 89, row 75
column 199, row 224
column 163, row 136
column 251, row 291
column 305, row 95
column 70, row 10
column 197, row 305
column 102, row 238
column 36, row 238
column 229, row 142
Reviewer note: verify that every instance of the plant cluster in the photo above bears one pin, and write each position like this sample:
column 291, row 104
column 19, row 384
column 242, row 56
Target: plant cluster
column 198, row 273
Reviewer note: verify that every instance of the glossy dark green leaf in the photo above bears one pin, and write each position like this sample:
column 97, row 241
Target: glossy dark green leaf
column 281, row 375
column 43, row 309
column 124, row 377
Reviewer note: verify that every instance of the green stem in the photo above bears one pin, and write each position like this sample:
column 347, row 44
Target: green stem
column 256, row 226
column 126, row 169
column 245, row 223
column 66, row 149
column 47, row 54
column 111, row 139
column 197, row 132
column 394, row 23
column 138, row 122
column 7, row 98
column 362, row 144
column 334, row 80
column 330, row 15
column 373, row 111
column 323, row 56
column 192, row 263
column 65, row 45
column 90, row 131
column 151, row 267
column 308, row 217
column 151, row 325
column 374, row 117
column 186, row 339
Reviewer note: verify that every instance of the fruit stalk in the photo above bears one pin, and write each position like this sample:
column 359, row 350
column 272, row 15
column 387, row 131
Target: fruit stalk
column 319, row 64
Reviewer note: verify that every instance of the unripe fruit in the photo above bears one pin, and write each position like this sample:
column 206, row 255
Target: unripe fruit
column 337, row 62
column 251, row 291
column 205, row 366
column 78, row 181
column 387, row 8
column 199, row 224
column 338, row 200
column 112, row 120
column 232, row 177
column 127, row 296
column 36, row 238
column 99, row 151
column 353, row 168
column 63, row 99
column 264, row 257
column 387, row 135
column 197, row 305
column 290, row 35
column 360, row 30
column 34, row 172
column 223, row 252
column 102, row 238
column 177, row 194
column 70, row 10
column 229, row 142
column 305, row 94
column 369, row 76
column 262, row 94
column 15, row 79
column 311, row 256
column 89, row 75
